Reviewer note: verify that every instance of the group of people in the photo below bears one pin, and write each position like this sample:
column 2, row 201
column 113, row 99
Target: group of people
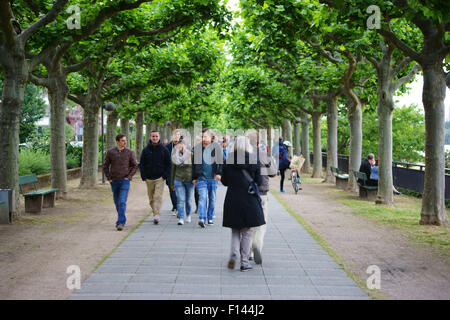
column 243, row 165
column 369, row 166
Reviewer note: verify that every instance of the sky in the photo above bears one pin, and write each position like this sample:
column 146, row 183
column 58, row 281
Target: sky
column 413, row 96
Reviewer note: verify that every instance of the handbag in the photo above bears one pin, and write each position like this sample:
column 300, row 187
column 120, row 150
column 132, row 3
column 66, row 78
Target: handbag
column 252, row 187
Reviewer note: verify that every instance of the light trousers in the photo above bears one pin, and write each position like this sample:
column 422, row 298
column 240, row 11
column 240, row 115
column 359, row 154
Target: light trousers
column 241, row 241
column 155, row 189
column 259, row 232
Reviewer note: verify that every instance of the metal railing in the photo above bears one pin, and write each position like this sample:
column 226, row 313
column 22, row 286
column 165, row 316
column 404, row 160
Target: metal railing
column 405, row 175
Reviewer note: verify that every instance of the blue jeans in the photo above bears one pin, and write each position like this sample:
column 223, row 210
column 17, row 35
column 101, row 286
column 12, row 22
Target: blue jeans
column 206, row 198
column 184, row 191
column 120, row 190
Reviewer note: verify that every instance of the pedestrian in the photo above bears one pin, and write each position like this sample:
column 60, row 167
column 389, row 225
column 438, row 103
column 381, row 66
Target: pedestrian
column 283, row 162
column 242, row 209
column 181, row 180
column 119, row 167
column 173, row 197
column 206, row 176
column 154, row 167
column 268, row 170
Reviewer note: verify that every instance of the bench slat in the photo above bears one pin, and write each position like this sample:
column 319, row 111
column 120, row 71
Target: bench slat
column 32, row 178
column 40, row 192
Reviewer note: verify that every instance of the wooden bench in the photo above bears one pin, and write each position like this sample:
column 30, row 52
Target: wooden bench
column 341, row 178
column 38, row 199
column 365, row 191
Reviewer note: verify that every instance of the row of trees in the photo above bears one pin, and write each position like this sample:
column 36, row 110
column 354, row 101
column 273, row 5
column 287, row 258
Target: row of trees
column 302, row 60
column 164, row 64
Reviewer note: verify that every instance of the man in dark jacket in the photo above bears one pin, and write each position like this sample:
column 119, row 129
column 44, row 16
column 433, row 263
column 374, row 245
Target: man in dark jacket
column 155, row 166
column 366, row 167
column 207, row 170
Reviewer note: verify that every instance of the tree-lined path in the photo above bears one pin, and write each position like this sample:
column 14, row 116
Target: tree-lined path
column 168, row 261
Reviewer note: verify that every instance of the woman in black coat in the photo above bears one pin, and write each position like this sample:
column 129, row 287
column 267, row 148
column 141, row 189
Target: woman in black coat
column 242, row 211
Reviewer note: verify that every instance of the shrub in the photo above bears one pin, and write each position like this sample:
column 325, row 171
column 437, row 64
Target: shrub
column 33, row 162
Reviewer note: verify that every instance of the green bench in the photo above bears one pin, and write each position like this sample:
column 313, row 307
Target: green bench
column 39, row 198
column 341, row 178
column 365, row 191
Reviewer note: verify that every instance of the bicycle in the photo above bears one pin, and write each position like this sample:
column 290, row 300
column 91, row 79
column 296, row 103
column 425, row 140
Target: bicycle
column 296, row 180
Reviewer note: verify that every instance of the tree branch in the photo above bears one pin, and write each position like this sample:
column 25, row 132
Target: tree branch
column 408, row 77
column 46, row 19
column 77, row 67
column 401, row 45
column 8, row 33
column 43, row 82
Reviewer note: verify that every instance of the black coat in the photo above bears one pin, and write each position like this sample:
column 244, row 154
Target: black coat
column 155, row 162
column 241, row 209
column 366, row 167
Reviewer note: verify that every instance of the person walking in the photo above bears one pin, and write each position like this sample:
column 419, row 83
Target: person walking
column 181, row 180
column 283, row 162
column 268, row 170
column 173, row 197
column 241, row 210
column 206, row 176
column 154, row 167
column 119, row 167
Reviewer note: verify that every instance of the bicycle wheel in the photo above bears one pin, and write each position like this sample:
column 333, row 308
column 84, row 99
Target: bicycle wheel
column 295, row 184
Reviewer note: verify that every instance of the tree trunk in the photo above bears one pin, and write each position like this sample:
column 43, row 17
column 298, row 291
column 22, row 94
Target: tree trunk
column 14, row 84
column 57, row 95
column 269, row 139
column 139, row 133
column 287, row 133
column 125, row 128
column 385, row 94
column 305, row 142
column 317, row 145
column 296, row 142
column 433, row 96
column 111, row 129
column 89, row 172
column 355, row 121
column 332, row 141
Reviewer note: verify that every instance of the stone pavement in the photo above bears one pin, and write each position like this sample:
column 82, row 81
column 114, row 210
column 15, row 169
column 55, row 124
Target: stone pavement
column 168, row 262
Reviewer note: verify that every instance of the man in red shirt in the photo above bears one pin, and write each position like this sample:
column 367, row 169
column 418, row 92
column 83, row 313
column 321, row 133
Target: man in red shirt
column 120, row 165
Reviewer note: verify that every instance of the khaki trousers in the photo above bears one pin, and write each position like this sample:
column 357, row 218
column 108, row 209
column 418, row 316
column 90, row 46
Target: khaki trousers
column 155, row 189
column 259, row 232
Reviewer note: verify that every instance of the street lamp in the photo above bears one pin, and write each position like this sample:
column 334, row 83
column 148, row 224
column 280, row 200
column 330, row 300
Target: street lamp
column 109, row 106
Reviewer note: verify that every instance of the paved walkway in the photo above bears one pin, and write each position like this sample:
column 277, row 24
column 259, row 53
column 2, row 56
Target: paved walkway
column 168, row 261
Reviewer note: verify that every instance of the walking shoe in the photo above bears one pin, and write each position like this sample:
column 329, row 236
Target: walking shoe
column 210, row 222
column 257, row 255
column 174, row 212
column 188, row 219
column 201, row 223
column 119, row 227
column 232, row 262
column 246, row 268
column 156, row 220
column 180, row 222
column 282, row 191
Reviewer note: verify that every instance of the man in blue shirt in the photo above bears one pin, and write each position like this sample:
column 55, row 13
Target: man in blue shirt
column 206, row 175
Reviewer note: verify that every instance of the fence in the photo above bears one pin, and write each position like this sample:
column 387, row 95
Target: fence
column 405, row 175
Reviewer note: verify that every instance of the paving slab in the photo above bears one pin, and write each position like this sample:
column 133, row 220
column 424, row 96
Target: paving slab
column 172, row 262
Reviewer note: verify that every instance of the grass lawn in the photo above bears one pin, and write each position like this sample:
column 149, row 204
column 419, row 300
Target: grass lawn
column 403, row 215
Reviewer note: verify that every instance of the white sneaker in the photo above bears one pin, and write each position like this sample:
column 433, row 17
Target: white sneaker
column 188, row 219
column 180, row 222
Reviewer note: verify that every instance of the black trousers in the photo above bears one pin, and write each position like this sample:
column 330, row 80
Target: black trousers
column 282, row 178
column 173, row 195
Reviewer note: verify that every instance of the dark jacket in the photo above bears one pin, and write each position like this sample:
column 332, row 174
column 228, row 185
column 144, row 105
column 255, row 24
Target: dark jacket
column 155, row 162
column 284, row 158
column 119, row 165
column 197, row 169
column 366, row 167
column 241, row 209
